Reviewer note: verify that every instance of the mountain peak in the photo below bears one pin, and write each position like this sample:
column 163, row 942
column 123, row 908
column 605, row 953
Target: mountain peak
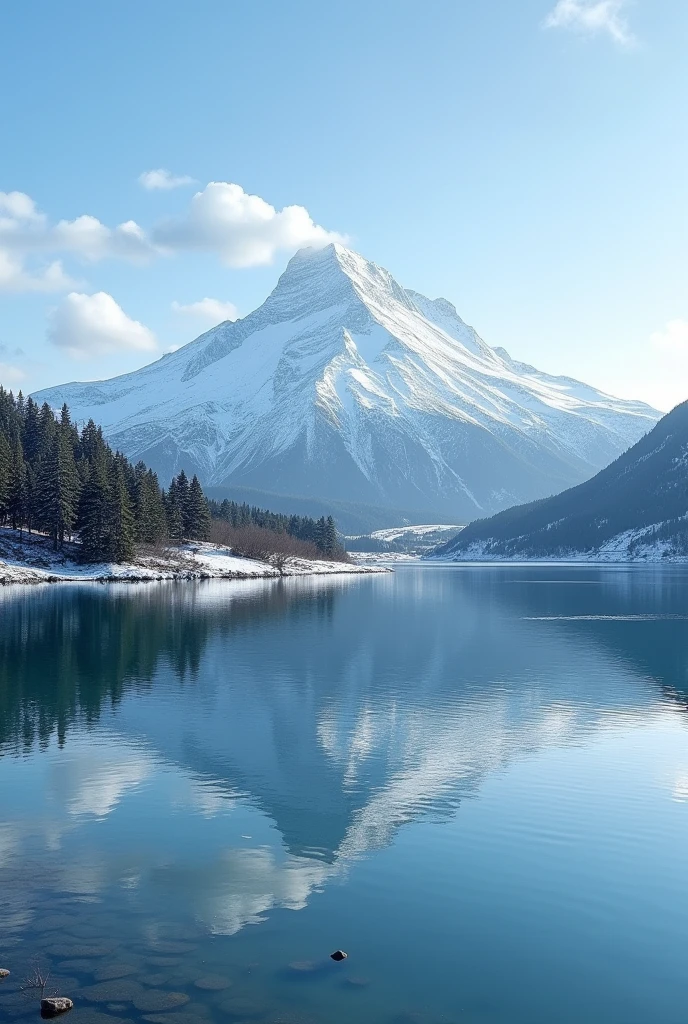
column 344, row 385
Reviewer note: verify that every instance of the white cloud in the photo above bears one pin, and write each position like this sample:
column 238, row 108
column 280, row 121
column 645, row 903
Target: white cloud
column 244, row 230
column 673, row 339
column 17, row 206
column 14, row 277
column 89, row 238
column 593, row 17
column 213, row 310
column 93, row 325
column 162, row 179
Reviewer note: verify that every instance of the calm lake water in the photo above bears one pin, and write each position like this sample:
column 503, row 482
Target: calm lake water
column 474, row 780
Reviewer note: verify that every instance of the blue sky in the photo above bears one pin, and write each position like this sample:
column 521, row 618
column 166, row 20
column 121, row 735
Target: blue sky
column 526, row 159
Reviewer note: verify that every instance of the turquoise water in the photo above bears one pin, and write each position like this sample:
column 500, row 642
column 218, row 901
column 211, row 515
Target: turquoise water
column 473, row 780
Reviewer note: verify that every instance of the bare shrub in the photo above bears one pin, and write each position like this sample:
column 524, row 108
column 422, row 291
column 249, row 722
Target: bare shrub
column 265, row 545
column 37, row 981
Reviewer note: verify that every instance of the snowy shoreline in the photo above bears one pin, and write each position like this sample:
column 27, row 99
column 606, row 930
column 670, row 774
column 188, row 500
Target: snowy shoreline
column 31, row 562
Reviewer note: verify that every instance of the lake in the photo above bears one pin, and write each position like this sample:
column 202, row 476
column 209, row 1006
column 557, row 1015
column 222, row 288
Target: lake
column 472, row 779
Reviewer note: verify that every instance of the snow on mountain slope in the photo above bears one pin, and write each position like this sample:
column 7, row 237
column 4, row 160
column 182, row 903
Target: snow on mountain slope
column 344, row 385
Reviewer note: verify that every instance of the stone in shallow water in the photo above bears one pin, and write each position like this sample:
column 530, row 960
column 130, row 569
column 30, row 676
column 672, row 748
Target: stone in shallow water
column 81, row 950
column 112, row 971
column 116, row 1007
column 338, row 955
column 241, row 1008
column 157, row 980
column 306, row 966
column 212, row 982
column 193, row 1014
column 164, row 946
column 89, row 1015
column 53, row 1006
column 4, row 973
column 80, row 966
column 291, row 1017
column 356, row 983
column 164, row 961
column 121, row 990
column 156, row 1000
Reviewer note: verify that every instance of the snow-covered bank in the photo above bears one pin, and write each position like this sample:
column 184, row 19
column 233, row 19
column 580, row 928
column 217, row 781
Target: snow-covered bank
column 32, row 561
column 368, row 558
column 633, row 546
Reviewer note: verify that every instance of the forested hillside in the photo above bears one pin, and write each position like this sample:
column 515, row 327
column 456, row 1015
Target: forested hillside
column 322, row 533
column 69, row 484
column 57, row 480
column 637, row 506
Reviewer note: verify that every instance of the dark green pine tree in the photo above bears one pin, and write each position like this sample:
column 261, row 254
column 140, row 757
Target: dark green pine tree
column 32, row 436
column 95, row 513
column 121, row 524
column 173, row 508
column 47, row 428
column 5, row 463
column 16, row 498
column 183, row 499
column 321, row 533
column 149, row 509
column 30, row 504
column 331, row 541
column 198, row 517
column 155, row 528
column 57, row 489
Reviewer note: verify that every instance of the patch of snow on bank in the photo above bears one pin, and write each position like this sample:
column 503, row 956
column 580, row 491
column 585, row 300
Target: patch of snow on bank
column 31, row 560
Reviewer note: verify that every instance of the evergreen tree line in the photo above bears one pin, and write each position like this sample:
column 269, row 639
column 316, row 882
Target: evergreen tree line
column 320, row 532
column 57, row 480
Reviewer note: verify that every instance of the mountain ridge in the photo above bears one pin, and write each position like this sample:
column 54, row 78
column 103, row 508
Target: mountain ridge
column 635, row 508
column 343, row 385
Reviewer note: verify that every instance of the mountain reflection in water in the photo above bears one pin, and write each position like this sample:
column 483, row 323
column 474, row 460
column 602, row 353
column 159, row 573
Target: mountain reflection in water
column 232, row 749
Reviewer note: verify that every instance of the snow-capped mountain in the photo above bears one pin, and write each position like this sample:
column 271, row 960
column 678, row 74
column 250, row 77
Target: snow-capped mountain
column 345, row 386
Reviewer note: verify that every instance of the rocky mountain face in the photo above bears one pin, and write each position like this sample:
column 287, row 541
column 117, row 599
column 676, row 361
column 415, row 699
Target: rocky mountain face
column 635, row 508
column 344, row 386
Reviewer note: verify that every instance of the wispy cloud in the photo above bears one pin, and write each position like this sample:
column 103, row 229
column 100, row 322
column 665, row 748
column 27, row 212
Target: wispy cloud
column 215, row 311
column 165, row 180
column 94, row 325
column 593, row 17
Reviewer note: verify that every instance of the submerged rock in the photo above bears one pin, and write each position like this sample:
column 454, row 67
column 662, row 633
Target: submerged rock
column 80, row 951
column 4, row 973
column 212, row 982
column 89, row 1015
column 338, row 955
column 193, row 1014
column 172, row 946
column 304, row 966
column 53, row 1006
column 356, row 983
column 156, row 1000
column 242, row 1008
column 113, row 971
column 155, row 980
column 122, row 990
